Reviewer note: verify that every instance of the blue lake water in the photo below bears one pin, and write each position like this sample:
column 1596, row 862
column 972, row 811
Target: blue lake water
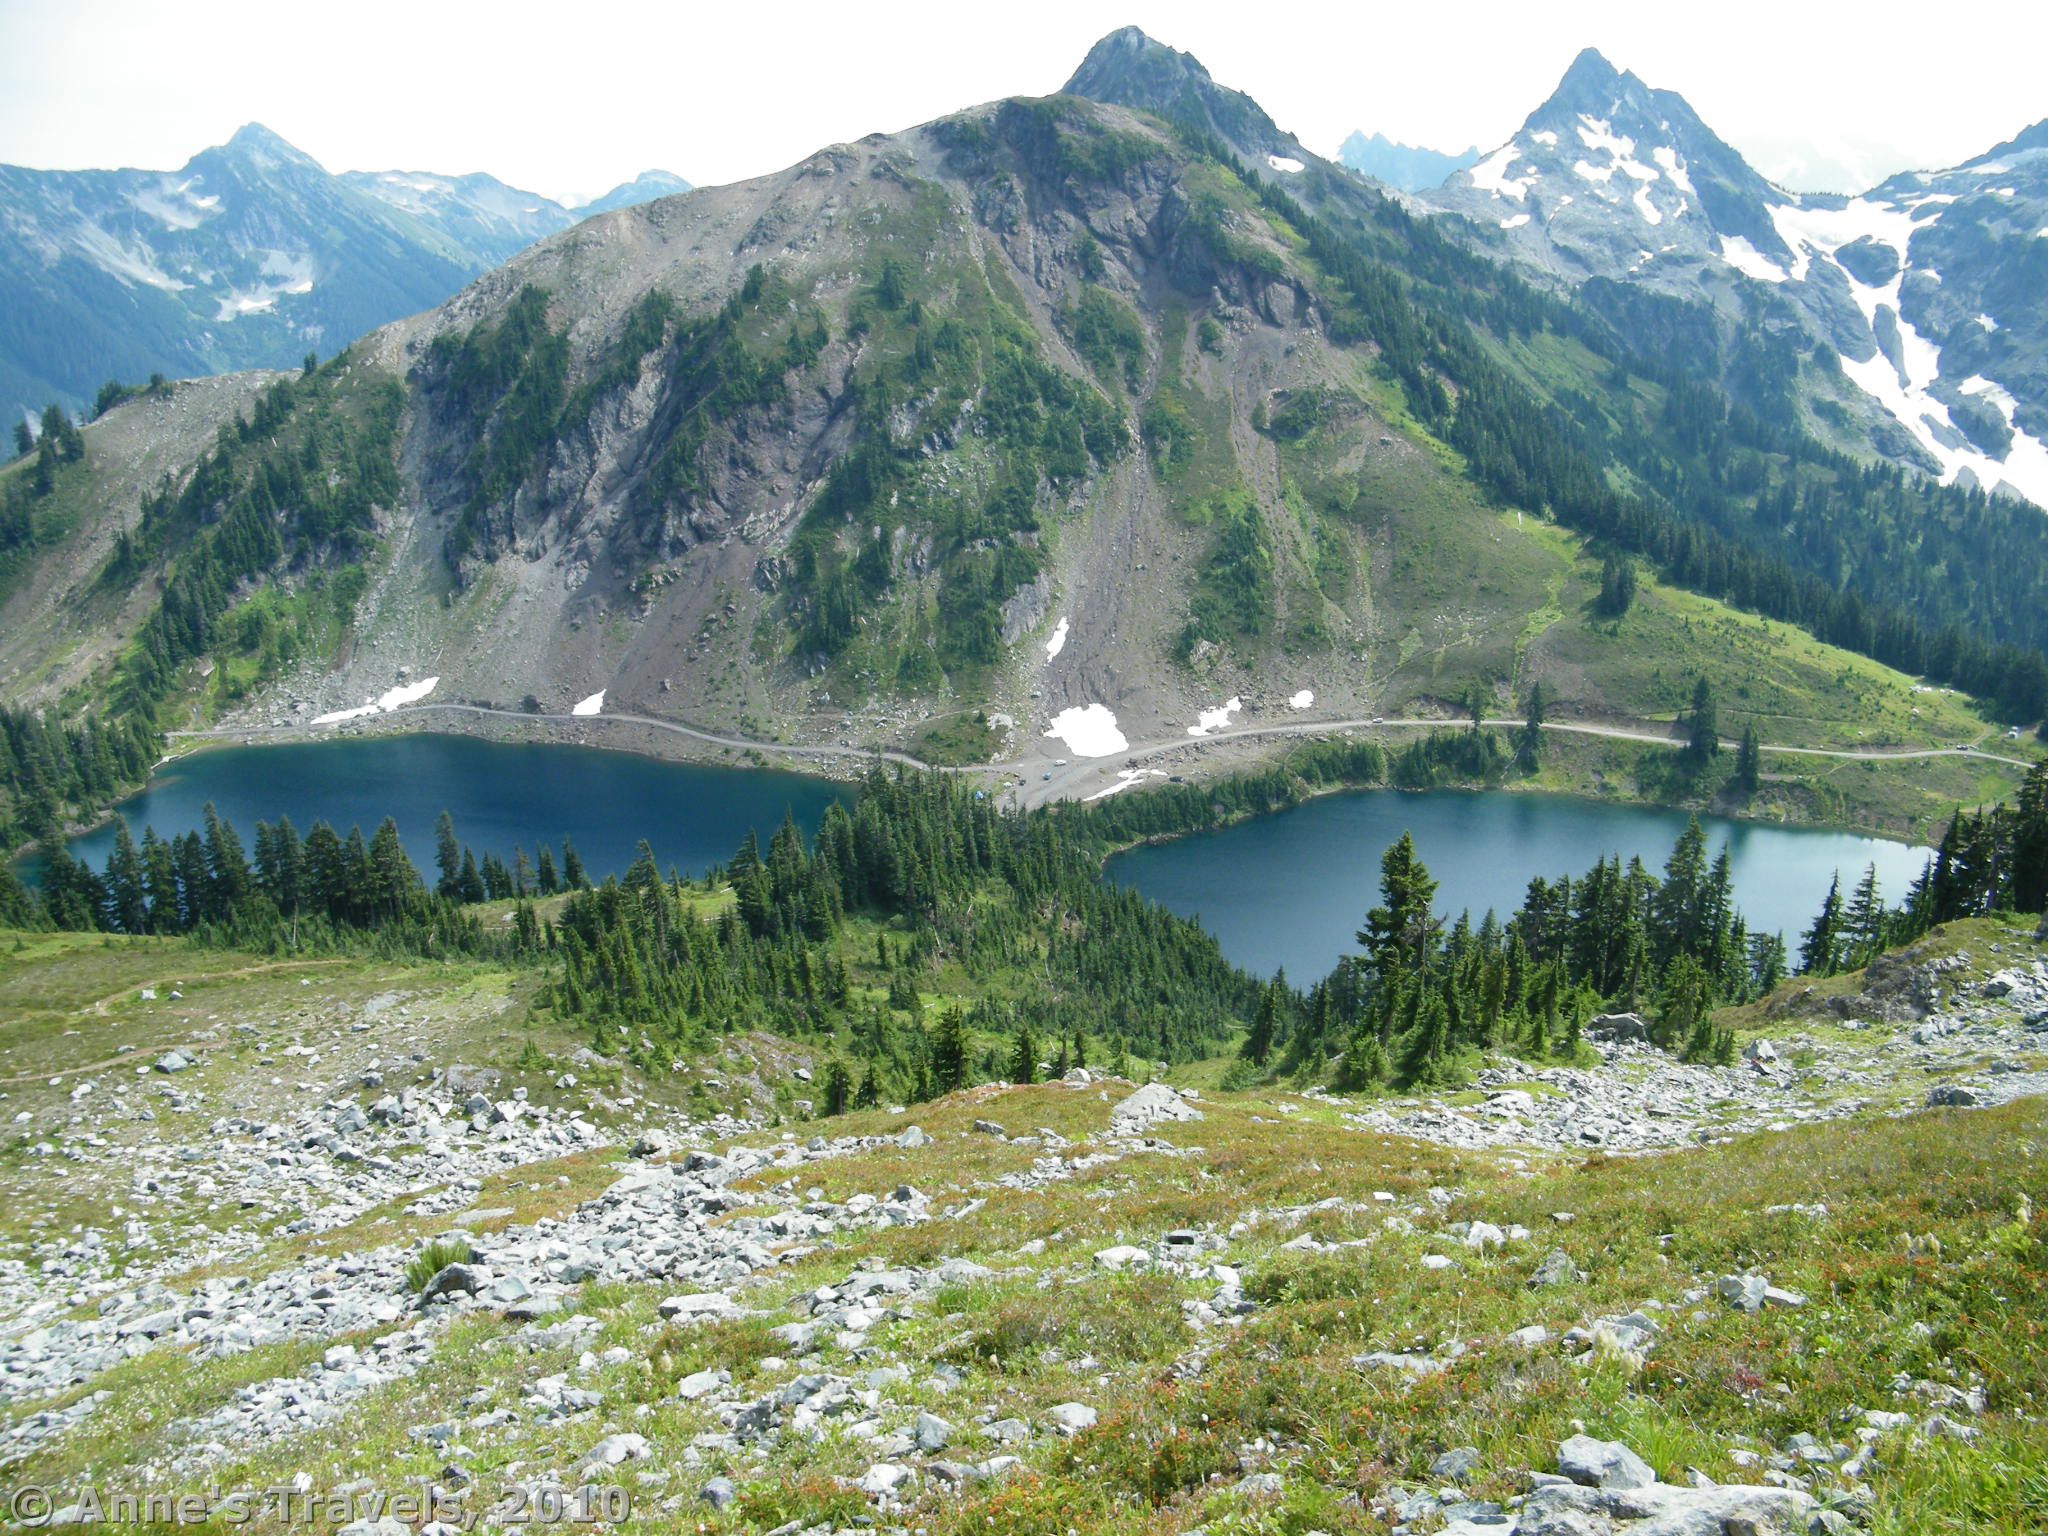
column 500, row 794
column 1291, row 889
column 1288, row 889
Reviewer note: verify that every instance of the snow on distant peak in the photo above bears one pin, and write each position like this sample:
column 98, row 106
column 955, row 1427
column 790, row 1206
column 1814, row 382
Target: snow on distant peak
column 1058, row 640
column 1491, row 174
column 1749, row 261
column 1515, row 221
column 1674, row 168
column 1282, row 163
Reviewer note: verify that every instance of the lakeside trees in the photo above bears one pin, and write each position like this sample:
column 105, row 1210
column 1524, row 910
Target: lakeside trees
column 923, row 889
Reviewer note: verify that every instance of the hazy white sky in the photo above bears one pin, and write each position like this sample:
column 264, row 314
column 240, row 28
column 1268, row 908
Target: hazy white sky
column 567, row 99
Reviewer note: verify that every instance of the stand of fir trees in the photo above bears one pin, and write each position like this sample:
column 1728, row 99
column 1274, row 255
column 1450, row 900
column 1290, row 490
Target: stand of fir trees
column 1993, row 860
column 1011, row 911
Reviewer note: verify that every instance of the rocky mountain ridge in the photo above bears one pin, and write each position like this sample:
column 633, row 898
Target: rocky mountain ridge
column 249, row 255
column 1405, row 167
column 1923, row 292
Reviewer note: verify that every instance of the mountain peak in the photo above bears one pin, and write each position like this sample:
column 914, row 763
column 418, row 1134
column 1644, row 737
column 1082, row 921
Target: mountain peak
column 255, row 142
column 1130, row 69
column 1129, row 58
column 644, row 188
column 1590, row 67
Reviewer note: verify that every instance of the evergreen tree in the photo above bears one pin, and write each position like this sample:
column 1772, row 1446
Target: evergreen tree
column 1748, row 762
column 447, row 856
column 573, row 877
column 1702, row 728
column 1401, row 931
column 1820, row 949
column 1258, row 1045
column 1683, row 1002
column 1024, row 1057
column 1365, row 1061
column 1617, row 586
column 1424, row 1043
column 544, row 872
column 127, row 906
column 1863, row 922
column 1529, row 740
column 1766, row 962
column 949, row 1051
column 838, row 1086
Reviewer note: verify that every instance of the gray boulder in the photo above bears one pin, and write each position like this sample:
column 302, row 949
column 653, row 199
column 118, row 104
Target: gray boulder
column 1454, row 1464
column 1617, row 1026
column 1603, row 1464
column 1745, row 1293
column 1952, row 1096
column 450, row 1280
column 1152, row 1103
column 1663, row 1509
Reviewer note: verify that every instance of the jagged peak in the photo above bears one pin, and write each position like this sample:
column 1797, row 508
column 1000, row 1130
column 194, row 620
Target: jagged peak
column 255, row 142
column 1128, row 68
column 2026, row 139
column 1124, row 49
column 1590, row 67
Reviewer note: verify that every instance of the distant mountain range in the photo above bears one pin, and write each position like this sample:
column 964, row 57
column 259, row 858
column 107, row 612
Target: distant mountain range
column 1923, row 296
column 1406, row 166
column 250, row 255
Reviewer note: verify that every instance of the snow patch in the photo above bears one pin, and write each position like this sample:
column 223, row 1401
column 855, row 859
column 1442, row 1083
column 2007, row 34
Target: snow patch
column 1058, row 641
column 1647, row 208
column 1491, row 174
column 1216, row 719
column 1987, row 322
column 1126, row 778
column 1282, row 163
column 125, row 264
column 1516, row 222
column 1674, row 167
column 1545, row 137
column 1089, row 730
column 589, row 706
column 384, row 703
column 1302, row 700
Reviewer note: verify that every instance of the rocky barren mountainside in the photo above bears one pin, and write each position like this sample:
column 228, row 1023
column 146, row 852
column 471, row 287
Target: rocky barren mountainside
column 1050, row 429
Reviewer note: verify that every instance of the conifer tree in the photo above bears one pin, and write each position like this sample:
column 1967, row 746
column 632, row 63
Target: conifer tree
column 447, row 855
column 1258, row 1045
column 1748, row 762
column 1863, row 922
column 1702, row 727
column 838, row 1086
column 1402, row 930
column 1024, row 1057
column 1819, row 950
column 1529, row 740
